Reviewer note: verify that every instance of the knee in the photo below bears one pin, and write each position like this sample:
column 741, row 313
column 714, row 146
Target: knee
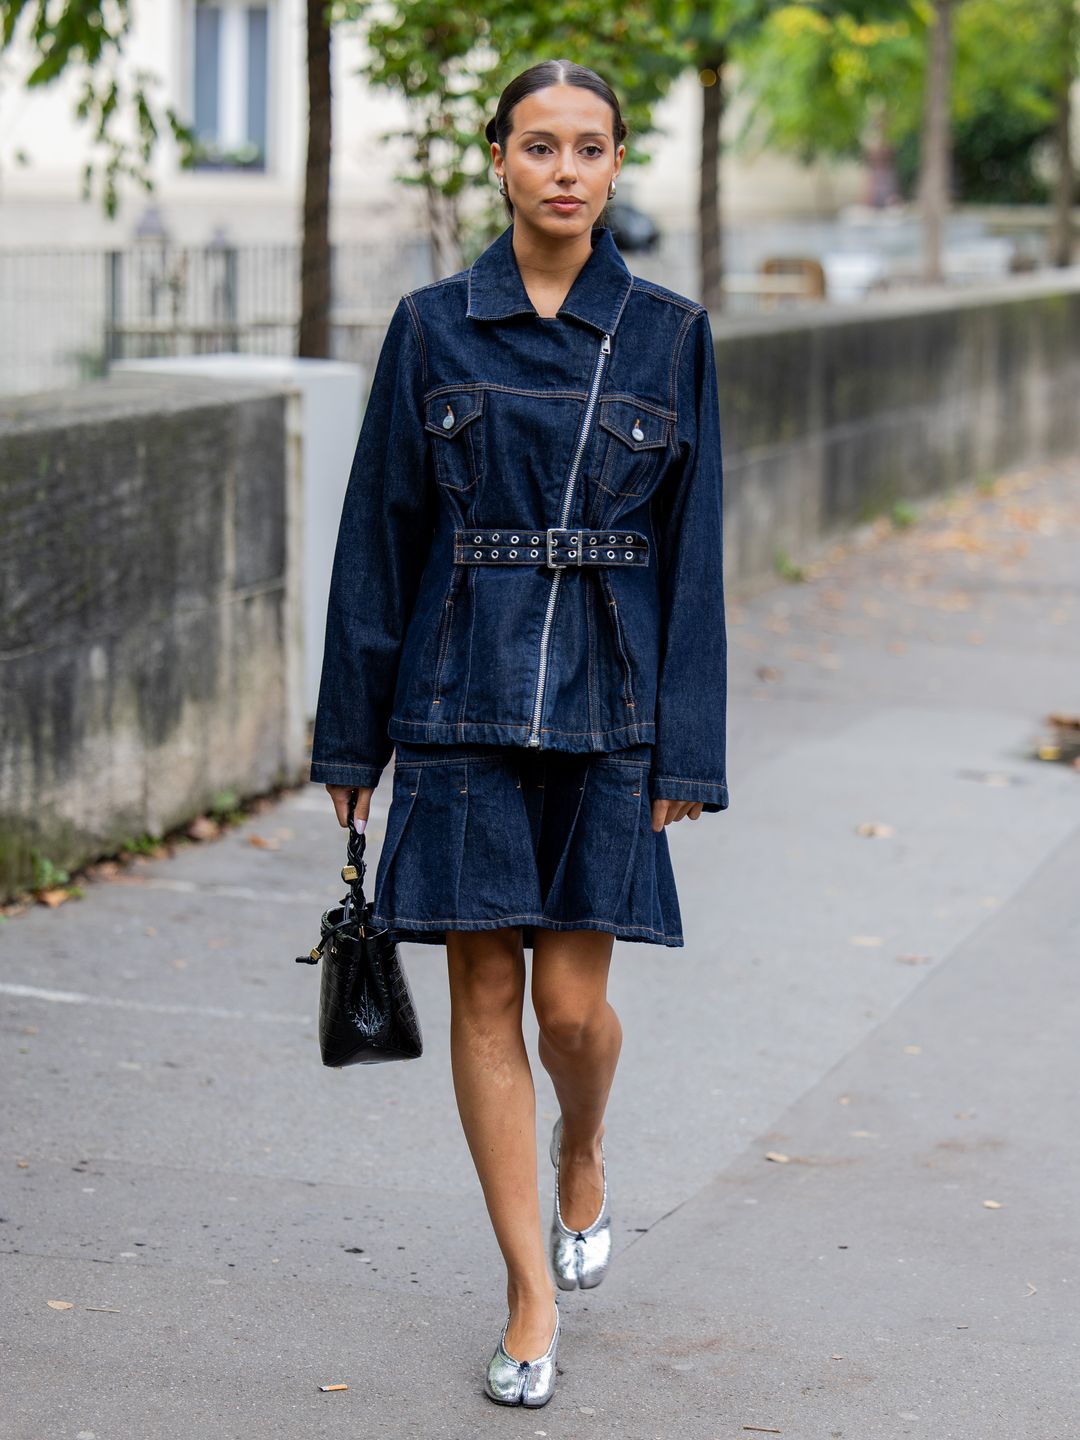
column 564, row 1025
column 486, row 986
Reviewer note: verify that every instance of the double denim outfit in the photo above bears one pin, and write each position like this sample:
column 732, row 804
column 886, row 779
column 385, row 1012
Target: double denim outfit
column 529, row 562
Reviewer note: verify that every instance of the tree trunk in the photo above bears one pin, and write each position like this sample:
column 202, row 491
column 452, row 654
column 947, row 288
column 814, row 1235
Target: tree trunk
column 315, row 251
column 1061, row 228
column 935, row 163
column 710, row 209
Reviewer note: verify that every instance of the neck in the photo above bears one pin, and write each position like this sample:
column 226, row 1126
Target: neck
column 545, row 259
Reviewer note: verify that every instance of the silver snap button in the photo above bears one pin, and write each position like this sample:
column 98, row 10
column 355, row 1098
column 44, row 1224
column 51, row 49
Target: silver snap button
column 638, row 433
column 448, row 419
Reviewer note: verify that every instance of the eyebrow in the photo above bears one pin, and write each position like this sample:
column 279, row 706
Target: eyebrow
column 550, row 135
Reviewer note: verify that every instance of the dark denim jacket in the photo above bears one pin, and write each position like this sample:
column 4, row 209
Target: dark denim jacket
column 486, row 416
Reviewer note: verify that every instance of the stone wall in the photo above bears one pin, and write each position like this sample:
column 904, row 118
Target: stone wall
column 828, row 420
column 146, row 625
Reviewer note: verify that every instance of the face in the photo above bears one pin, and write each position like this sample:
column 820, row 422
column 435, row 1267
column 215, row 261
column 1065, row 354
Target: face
column 561, row 148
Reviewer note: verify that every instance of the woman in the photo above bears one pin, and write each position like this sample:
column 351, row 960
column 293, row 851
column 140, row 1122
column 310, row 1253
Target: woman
column 526, row 608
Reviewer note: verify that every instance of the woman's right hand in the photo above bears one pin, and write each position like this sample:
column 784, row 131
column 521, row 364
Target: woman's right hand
column 340, row 796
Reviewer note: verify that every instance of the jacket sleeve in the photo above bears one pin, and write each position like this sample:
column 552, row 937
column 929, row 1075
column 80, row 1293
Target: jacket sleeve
column 689, row 756
column 383, row 540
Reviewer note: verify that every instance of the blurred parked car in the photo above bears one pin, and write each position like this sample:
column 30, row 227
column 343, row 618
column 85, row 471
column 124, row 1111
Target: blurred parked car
column 632, row 229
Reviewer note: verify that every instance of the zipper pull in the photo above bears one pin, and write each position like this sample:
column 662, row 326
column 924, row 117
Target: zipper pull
column 605, row 345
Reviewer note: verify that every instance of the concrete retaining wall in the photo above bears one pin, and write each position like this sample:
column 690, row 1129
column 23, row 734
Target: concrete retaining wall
column 148, row 635
column 828, row 421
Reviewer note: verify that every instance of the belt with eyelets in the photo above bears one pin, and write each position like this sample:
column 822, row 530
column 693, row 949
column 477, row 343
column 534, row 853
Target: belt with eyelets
column 554, row 547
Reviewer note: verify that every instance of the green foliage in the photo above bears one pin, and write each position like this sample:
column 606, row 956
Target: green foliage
column 226, row 808
column 903, row 514
column 47, row 875
column 450, row 65
column 814, row 76
column 819, row 74
column 787, row 568
column 86, row 38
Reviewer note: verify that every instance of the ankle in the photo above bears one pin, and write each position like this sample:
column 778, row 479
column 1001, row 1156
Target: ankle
column 581, row 1151
column 530, row 1295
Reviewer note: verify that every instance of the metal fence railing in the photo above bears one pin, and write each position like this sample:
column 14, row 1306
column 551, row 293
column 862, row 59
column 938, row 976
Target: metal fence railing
column 65, row 315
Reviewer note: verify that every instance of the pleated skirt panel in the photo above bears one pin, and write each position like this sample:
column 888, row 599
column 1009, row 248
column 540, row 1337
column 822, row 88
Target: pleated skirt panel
column 484, row 836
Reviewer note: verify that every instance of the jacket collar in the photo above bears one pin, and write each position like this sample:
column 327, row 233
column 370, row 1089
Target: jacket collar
column 597, row 295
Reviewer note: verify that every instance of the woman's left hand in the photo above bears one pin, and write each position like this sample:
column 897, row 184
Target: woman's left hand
column 664, row 811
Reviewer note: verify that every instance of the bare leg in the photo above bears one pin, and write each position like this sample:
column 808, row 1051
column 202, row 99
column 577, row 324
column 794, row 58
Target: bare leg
column 497, row 1103
column 580, row 1040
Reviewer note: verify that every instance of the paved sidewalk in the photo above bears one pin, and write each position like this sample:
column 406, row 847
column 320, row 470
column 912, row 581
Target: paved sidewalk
column 895, row 1013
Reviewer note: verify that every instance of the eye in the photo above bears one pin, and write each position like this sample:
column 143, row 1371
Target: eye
column 536, row 145
column 598, row 149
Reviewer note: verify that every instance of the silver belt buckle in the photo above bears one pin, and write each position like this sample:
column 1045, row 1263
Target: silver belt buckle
column 573, row 552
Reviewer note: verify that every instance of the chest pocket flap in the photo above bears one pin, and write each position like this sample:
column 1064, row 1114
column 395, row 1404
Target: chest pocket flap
column 637, row 428
column 448, row 414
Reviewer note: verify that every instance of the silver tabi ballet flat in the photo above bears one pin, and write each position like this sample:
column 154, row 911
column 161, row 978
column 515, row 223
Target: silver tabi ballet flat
column 579, row 1258
column 522, row 1382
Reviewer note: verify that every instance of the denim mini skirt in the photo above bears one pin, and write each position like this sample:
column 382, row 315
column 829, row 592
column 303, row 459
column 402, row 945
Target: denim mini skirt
column 482, row 836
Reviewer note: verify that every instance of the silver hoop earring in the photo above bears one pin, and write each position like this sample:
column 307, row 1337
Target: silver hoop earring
column 611, row 192
column 502, row 185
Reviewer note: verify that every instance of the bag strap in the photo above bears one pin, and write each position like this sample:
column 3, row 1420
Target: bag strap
column 353, row 903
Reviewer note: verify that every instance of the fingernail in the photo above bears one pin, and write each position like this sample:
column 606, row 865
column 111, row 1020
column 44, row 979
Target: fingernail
column 358, row 825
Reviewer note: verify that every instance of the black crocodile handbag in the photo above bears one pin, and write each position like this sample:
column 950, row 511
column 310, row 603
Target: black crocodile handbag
column 366, row 1009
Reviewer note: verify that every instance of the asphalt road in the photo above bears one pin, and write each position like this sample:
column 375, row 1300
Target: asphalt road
column 896, row 1013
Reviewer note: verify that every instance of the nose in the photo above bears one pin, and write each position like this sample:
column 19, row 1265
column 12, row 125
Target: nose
column 566, row 169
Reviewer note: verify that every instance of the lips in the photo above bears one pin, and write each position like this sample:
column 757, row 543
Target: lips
column 568, row 204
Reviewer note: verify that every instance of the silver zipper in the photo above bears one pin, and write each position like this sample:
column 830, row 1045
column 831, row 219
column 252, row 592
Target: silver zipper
column 564, row 515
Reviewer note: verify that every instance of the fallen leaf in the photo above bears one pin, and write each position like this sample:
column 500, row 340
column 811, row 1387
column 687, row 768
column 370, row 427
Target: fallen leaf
column 261, row 843
column 875, row 827
column 778, row 1156
column 22, row 1164
column 912, row 1049
column 203, row 828
column 992, row 1204
column 61, row 1304
column 52, row 898
column 836, row 1357
column 1031, row 1290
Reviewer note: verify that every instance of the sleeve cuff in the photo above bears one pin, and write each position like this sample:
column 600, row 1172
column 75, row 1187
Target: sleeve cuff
column 333, row 772
column 712, row 794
